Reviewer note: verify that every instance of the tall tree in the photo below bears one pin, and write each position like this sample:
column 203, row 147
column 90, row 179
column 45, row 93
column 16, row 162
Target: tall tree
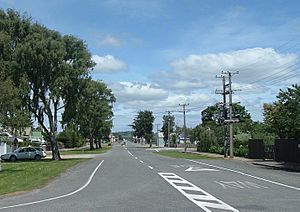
column 168, row 120
column 143, row 125
column 44, row 65
column 284, row 114
column 92, row 113
column 12, row 114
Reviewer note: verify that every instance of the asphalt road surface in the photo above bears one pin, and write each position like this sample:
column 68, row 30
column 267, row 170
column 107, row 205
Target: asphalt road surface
column 131, row 178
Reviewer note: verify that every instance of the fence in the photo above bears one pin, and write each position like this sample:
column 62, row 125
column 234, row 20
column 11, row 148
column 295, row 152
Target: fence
column 287, row 150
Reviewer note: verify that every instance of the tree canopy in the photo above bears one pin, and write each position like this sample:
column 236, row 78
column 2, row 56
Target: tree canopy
column 168, row 119
column 143, row 125
column 49, row 73
column 284, row 115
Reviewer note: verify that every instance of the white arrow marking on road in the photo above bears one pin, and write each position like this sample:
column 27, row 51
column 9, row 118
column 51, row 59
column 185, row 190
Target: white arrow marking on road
column 199, row 169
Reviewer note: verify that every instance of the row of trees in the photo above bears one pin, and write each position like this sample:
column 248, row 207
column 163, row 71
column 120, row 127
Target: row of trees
column 281, row 120
column 44, row 74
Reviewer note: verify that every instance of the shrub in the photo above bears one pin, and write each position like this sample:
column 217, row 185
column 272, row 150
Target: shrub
column 216, row 149
column 241, row 151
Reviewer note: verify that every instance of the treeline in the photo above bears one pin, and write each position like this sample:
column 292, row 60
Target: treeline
column 281, row 120
column 45, row 75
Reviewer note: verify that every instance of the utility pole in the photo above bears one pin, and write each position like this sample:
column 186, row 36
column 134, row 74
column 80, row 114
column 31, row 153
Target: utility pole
column 169, row 116
column 157, row 139
column 184, row 123
column 227, row 90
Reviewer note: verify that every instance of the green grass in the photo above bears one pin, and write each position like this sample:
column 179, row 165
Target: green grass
column 176, row 154
column 28, row 175
column 86, row 151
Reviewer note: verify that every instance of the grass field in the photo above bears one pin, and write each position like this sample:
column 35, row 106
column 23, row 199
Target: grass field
column 28, row 175
column 86, row 151
column 176, row 154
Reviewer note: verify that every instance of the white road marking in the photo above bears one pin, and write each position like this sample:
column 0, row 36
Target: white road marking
column 156, row 150
column 150, row 167
column 200, row 197
column 58, row 197
column 141, row 161
column 248, row 175
column 239, row 184
column 130, row 153
column 199, row 169
column 136, row 158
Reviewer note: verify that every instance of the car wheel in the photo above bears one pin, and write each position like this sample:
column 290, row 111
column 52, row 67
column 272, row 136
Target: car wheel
column 12, row 158
column 37, row 157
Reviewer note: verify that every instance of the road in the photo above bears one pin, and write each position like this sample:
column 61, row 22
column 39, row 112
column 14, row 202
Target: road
column 135, row 179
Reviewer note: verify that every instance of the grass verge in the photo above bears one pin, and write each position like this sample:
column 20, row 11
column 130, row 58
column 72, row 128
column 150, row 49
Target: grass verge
column 28, row 175
column 176, row 154
column 86, row 151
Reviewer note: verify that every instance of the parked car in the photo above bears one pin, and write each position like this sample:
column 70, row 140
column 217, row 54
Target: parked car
column 8, row 136
column 42, row 150
column 24, row 154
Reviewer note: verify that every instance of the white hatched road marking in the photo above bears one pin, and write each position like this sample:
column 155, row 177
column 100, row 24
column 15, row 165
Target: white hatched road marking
column 248, row 175
column 204, row 200
column 130, row 153
column 136, row 158
column 150, row 167
column 141, row 161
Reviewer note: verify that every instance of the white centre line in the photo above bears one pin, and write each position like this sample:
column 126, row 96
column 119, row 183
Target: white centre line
column 150, row 167
column 195, row 194
column 141, row 161
column 130, row 153
column 248, row 175
column 58, row 197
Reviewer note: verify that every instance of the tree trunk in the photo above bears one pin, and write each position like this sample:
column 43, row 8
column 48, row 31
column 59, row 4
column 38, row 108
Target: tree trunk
column 54, row 148
column 97, row 144
column 91, row 144
column 100, row 145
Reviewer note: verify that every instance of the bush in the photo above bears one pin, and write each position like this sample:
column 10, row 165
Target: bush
column 216, row 149
column 70, row 138
column 241, row 151
column 204, row 145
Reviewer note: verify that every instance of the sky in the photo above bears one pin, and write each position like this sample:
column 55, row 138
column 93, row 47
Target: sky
column 157, row 54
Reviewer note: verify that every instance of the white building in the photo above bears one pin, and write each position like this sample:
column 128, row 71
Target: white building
column 159, row 139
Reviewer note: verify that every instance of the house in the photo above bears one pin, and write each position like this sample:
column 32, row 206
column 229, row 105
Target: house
column 37, row 137
column 181, row 139
column 5, row 147
column 159, row 136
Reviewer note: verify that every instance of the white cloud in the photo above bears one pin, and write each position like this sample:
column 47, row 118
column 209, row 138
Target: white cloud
column 109, row 40
column 255, row 66
column 108, row 64
column 133, row 92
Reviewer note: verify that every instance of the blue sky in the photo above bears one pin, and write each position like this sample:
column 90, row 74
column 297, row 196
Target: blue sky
column 160, row 53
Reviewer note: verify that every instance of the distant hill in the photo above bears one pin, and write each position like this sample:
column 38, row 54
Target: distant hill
column 123, row 134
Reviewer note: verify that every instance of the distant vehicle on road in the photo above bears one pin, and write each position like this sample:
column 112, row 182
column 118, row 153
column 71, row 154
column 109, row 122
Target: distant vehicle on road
column 24, row 154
